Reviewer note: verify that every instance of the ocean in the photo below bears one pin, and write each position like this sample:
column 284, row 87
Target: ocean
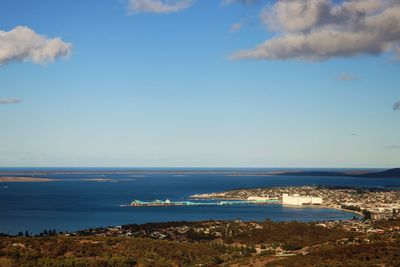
column 73, row 204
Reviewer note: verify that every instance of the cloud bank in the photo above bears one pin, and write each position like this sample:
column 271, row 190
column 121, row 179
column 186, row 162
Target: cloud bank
column 158, row 6
column 23, row 44
column 9, row 101
column 321, row 30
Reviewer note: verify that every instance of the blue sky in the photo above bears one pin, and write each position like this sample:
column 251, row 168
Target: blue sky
column 142, row 88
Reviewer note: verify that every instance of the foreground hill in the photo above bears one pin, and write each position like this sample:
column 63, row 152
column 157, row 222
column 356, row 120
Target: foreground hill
column 212, row 243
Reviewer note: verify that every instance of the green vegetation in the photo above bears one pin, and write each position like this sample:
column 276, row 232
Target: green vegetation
column 100, row 251
column 374, row 254
column 291, row 235
column 210, row 243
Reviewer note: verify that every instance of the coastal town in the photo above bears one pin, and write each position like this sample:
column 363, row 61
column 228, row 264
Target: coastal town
column 375, row 206
column 374, row 236
column 372, row 203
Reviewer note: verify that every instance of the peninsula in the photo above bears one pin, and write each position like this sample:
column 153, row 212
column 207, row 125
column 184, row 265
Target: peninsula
column 373, row 203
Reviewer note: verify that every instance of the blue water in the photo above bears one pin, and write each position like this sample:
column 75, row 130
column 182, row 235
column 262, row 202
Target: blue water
column 72, row 205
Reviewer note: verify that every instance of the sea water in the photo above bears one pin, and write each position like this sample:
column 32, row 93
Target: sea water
column 72, row 204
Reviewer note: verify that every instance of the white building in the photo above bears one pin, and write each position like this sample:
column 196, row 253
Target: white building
column 257, row 199
column 298, row 200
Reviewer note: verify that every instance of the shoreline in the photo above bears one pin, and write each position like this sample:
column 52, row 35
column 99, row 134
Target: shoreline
column 368, row 203
column 351, row 211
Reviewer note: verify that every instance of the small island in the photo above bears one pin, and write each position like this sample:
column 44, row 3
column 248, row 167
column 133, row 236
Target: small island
column 25, row 179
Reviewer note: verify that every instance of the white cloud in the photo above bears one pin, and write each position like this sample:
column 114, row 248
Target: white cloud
column 23, row 44
column 320, row 29
column 294, row 15
column 9, row 101
column 158, row 6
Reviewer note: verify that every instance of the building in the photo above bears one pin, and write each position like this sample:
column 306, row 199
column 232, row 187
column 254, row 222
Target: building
column 258, row 199
column 381, row 215
column 298, row 200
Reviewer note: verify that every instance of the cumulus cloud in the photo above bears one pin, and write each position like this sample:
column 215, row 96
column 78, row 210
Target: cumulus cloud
column 158, row 6
column 9, row 101
column 23, row 44
column 323, row 29
column 294, row 15
column 396, row 106
column 348, row 77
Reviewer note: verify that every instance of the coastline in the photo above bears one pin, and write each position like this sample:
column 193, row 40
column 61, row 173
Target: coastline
column 341, row 209
column 197, row 197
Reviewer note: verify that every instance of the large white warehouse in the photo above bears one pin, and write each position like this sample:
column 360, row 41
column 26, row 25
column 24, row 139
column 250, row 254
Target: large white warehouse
column 298, row 200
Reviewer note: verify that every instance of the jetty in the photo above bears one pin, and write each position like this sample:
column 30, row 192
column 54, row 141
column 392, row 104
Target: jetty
column 168, row 203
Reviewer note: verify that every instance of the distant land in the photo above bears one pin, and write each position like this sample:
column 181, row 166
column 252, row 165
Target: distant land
column 41, row 180
column 25, row 179
column 391, row 173
column 22, row 176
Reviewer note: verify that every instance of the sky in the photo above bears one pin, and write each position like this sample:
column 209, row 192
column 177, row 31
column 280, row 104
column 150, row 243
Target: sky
column 201, row 83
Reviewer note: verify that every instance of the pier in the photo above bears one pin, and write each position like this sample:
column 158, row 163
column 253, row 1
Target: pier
column 168, row 203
